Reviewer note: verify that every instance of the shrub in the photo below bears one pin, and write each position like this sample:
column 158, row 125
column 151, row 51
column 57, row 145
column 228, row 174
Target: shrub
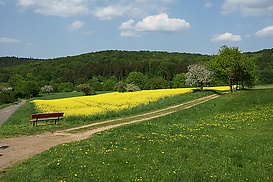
column 132, row 88
column 120, row 87
column 47, row 89
column 86, row 89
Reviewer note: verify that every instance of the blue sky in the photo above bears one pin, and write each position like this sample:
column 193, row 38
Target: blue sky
column 58, row 28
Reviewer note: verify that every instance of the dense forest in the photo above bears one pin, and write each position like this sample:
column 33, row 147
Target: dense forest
column 105, row 64
column 102, row 70
column 264, row 65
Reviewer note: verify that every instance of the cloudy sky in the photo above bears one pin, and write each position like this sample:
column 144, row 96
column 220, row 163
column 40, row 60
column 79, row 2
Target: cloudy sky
column 57, row 28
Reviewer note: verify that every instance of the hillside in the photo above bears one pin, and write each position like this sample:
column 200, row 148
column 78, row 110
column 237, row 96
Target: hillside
column 116, row 65
column 104, row 64
column 264, row 63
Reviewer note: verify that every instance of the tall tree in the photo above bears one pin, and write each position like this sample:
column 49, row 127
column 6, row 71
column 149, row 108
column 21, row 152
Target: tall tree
column 137, row 79
column 179, row 80
column 230, row 64
column 246, row 72
column 86, row 89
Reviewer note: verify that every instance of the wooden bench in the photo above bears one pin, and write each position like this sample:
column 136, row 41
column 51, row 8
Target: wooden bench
column 46, row 116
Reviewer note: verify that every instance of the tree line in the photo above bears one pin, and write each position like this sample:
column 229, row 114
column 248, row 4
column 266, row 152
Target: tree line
column 107, row 70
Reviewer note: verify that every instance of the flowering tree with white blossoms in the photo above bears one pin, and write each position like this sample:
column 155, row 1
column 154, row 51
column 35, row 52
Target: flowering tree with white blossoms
column 47, row 89
column 198, row 75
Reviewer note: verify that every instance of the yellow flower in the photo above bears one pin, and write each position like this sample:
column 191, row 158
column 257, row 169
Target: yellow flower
column 99, row 104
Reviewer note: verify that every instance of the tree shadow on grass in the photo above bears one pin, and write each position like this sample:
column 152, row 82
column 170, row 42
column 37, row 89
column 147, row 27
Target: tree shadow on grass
column 210, row 90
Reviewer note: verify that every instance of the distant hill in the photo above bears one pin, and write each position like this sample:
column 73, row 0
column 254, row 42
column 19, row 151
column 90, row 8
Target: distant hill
column 12, row 61
column 264, row 63
column 118, row 64
column 103, row 63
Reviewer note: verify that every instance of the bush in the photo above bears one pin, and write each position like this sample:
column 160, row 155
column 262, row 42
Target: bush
column 123, row 87
column 47, row 89
column 132, row 88
column 65, row 87
column 7, row 96
column 86, row 89
column 120, row 87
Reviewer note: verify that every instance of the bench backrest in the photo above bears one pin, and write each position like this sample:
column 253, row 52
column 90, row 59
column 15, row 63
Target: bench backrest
column 47, row 115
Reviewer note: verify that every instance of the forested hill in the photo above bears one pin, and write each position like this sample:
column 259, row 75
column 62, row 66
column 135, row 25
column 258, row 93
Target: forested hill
column 105, row 64
column 264, row 63
column 13, row 61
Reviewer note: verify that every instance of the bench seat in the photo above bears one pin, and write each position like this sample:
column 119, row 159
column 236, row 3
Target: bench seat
column 46, row 117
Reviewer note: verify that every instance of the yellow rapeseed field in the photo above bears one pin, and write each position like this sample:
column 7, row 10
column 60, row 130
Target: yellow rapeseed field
column 115, row 101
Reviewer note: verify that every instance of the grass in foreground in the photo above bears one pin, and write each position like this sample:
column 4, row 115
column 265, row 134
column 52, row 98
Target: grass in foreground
column 227, row 139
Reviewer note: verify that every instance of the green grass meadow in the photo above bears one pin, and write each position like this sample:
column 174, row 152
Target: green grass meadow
column 226, row 139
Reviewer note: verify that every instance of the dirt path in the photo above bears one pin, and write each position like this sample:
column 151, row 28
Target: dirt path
column 8, row 111
column 13, row 150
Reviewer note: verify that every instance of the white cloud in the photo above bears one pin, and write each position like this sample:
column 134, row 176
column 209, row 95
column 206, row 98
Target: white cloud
column 248, row 7
column 129, row 33
column 127, row 25
column 105, row 10
column 76, row 25
column 110, row 12
column 62, row 8
column 29, row 44
column 133, row 8
column 226, row 37
column 265, row 32
column 9, row 40
column 162, row 22
column 155, row 23
column 208, row 5
column 128, row 29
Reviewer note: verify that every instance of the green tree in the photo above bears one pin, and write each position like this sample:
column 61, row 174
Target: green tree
column 109, row 84
column 246, row 72
column 33, row 89
column 27, row 89
column 231, row 65
column 7, row 94
column 80, row 81
column 137, row 79
column 120, row 87
column 157, row 83
column 15, row 79
column 179, row 80
column 266, row 76
column 65, row 87
column 96, row 83
column 86, row 89
column 166, row 70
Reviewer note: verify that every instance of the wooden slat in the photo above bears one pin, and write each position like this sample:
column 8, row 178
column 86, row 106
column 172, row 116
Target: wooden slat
column 47, row 115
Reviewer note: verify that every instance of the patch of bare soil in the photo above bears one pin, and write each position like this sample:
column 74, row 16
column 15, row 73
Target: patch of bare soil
column 17, row 149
